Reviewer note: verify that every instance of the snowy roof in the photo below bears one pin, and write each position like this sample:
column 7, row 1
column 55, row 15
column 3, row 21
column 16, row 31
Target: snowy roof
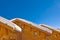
column 51, row 27
column 40, row 27
column 9, row 23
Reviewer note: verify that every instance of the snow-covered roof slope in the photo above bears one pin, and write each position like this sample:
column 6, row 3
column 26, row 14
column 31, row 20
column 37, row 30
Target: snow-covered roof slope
column 9, row 23
column 51, row 27
column 40, row 27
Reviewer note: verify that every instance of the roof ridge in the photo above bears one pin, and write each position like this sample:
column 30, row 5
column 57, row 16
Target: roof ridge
column 9, row 23
column 51, row 27
column 42, row 28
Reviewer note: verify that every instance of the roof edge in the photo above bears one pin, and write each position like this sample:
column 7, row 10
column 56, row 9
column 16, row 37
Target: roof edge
column 33, row 24
column 51, row 27
column 9, row 23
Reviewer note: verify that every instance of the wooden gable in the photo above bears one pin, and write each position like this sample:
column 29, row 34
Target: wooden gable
column 30, row 32
column 55, row 32
column 7, row 32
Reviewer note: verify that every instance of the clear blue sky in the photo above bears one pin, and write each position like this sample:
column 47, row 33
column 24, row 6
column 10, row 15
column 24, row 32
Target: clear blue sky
column 37, row 11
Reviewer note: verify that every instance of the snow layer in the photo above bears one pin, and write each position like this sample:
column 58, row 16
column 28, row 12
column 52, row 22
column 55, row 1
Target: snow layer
column 40, row 27
column 51, row 27
column 9, row 23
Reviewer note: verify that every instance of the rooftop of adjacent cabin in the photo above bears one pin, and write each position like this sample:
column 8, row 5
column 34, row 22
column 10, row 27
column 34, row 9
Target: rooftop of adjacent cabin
column 16, row 27
column 33, row 24
column 49, row 27
column 9, row 23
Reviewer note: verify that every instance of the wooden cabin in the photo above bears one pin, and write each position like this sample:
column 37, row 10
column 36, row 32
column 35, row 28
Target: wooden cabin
column 20, row 29
column 31, row 31
column 9, row 30
column 55, row 32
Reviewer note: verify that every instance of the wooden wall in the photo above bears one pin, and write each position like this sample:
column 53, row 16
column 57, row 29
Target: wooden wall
column 30, row 32
column 8, row 33
column 55, row 34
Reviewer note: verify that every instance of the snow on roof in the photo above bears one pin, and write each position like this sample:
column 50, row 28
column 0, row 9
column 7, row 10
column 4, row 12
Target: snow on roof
column 40, row 27
column 51, row 27
column 9, row 23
